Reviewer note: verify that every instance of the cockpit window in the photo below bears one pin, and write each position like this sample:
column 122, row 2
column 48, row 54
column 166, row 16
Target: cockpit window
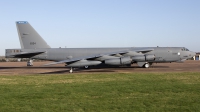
column 185, row 49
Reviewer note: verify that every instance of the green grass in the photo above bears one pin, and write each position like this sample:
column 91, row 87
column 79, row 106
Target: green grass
column 101, row 92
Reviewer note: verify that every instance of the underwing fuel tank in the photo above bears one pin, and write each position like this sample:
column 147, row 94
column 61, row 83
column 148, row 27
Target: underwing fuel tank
column 119, row 61
column 83, row 63
column 143, row 58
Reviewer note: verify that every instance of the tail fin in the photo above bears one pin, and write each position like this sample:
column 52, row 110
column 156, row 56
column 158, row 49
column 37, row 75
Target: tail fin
column 28, row 37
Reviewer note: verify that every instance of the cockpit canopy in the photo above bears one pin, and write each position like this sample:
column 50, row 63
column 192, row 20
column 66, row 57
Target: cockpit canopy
column 185, row 49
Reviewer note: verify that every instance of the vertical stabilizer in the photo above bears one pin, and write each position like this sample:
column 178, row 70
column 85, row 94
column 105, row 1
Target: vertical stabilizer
column 28, row 37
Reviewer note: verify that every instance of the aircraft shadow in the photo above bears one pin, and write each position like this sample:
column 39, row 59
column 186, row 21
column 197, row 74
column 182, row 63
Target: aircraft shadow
column 56, row 72
column 29, row 67
column 95, row 69
column 159, row 66
column 78, row 70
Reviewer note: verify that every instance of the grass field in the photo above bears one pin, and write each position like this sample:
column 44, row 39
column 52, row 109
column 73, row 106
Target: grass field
column 101, row 92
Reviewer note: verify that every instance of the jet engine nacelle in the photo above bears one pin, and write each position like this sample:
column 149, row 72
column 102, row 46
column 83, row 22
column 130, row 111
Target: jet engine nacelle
column 119, row 61
column 149, row 57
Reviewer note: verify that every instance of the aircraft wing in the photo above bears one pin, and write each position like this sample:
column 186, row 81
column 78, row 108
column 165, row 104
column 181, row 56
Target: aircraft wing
column 124, row 52
column 97, row 56
column 27, row 54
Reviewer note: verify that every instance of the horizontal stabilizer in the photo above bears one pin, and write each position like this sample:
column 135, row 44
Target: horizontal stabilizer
column 26, row 54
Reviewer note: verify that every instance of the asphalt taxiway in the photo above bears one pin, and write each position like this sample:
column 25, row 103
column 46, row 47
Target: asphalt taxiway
column 20, row 68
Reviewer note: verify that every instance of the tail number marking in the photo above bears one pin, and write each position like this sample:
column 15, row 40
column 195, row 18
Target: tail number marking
column 32, row 43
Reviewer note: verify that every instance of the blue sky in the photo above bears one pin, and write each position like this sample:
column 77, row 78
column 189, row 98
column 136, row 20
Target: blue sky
column 104, row 23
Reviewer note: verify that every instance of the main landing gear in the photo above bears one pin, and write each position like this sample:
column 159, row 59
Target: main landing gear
column 30, row 63
column 86, row 67
column 71, row 69
column 146, row 65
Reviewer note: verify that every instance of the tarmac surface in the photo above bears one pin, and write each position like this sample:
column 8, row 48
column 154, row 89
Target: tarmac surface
column 20, row 68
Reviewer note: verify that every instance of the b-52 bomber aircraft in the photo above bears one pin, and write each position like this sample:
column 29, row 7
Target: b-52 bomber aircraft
column 33, row 46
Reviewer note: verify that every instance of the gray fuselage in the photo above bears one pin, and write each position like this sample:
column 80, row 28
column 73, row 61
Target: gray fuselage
column 162, row 54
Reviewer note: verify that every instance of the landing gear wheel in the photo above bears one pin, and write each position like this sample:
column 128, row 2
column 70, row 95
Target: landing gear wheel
column 86, row 67
column 30, row 63
column 71, row 70
column 146, row 65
